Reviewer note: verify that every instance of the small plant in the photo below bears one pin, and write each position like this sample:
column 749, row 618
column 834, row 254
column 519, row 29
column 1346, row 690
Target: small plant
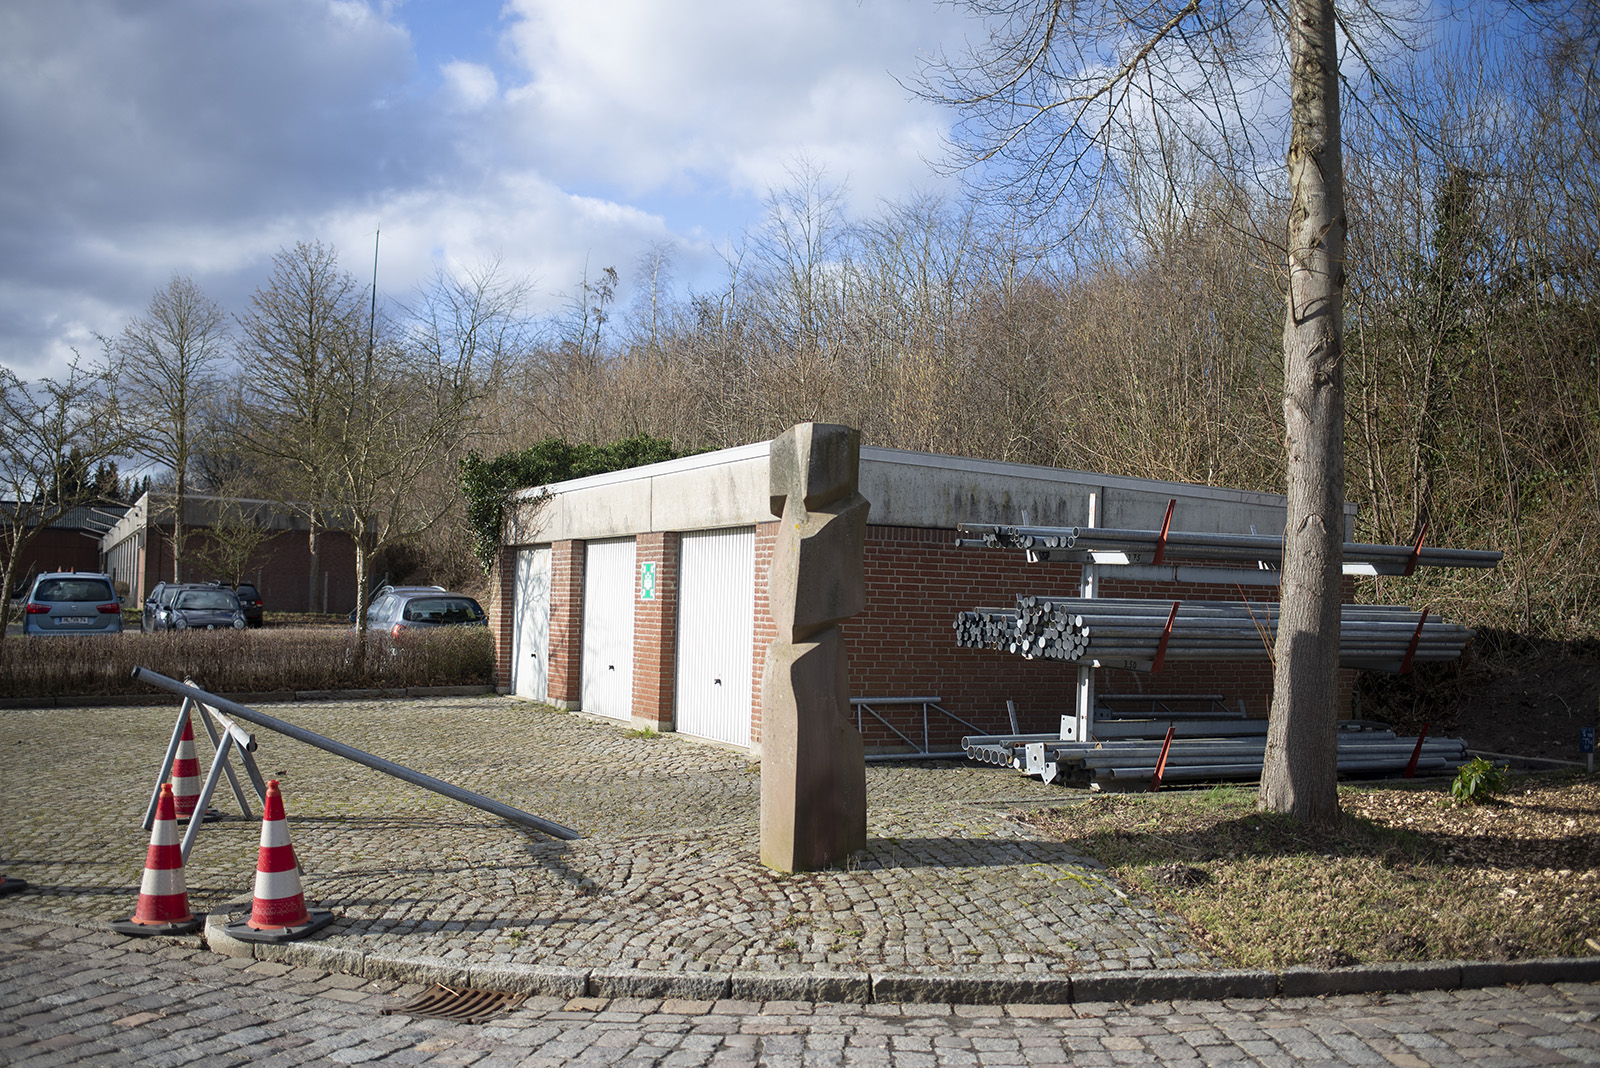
column 517, row 937
column 788, row 944
column 643, row 732
column 1477, row 782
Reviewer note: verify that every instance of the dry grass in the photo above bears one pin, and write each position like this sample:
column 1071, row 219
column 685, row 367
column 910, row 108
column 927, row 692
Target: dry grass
column 251, row 661
column 1408, row 875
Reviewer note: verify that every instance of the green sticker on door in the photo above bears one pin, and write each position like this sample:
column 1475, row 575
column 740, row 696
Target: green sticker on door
column 647, row 582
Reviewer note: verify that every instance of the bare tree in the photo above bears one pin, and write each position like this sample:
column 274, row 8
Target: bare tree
column 168, row 360
column 48, row 429
column 300, row 331
column 1061, row 99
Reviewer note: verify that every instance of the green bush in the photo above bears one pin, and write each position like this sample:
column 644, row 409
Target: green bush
column 1478, row 781
column 251, row 661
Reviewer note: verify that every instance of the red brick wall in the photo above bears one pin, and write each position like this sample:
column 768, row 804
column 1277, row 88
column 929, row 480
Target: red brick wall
column 59, row 550
column 764, row 629
column 655, row 623
column 502, row 620
column 564, row 685
column 903, row 644
column 280, row 568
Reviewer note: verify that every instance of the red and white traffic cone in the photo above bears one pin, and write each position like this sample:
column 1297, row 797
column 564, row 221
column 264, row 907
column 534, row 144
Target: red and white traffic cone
column 186, row 776
column 278, row 912
column 163, row 907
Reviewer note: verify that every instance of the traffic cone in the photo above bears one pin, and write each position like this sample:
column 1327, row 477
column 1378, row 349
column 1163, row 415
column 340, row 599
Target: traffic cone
column 11, row 886
column 278, row 912
column 186, row 776
column 163, row 907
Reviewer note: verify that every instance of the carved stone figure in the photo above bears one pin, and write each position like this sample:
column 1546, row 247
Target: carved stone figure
column 813, row 775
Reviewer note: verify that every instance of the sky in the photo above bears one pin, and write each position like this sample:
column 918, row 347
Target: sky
column 142, row 139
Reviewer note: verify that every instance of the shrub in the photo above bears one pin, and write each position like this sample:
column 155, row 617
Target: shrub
column 1478, row 781
column 251, row 661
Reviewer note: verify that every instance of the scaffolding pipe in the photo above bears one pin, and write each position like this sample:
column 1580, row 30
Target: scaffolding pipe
column 415, row 778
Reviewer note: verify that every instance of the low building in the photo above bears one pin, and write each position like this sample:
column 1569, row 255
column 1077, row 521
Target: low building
column 273, row 539
column 641, row 594
column 71, row 543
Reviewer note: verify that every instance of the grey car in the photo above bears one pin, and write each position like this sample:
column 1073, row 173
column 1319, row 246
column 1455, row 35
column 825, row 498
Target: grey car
column 72, row 602
column 202, row 608
column 400, row 610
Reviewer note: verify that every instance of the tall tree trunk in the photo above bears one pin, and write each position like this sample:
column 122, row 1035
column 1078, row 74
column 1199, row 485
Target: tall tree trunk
column 314, row 544
column 1300, row 776
column 178, row 502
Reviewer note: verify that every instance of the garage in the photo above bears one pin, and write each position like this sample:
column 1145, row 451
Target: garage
column 716, row 628
column 531, row 645
column 607, row 664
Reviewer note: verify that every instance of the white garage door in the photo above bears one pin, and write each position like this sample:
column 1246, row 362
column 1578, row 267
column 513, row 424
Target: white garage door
column 716, row 624
column 530, row 604
column 608, row 628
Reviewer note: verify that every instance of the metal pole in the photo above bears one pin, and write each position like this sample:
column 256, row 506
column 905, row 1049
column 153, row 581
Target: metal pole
column 166, row 764
column 415, row 778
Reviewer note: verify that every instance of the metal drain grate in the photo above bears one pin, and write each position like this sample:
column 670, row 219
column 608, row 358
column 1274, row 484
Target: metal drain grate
column 464, row 1006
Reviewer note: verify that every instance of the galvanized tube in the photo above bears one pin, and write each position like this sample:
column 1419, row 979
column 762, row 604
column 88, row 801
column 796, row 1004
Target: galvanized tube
column 415, row 778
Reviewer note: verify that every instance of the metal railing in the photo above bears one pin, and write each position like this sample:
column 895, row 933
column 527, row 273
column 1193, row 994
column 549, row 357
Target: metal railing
column 864, row 706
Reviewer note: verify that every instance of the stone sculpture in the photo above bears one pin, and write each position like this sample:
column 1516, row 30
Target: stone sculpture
column 813, row 775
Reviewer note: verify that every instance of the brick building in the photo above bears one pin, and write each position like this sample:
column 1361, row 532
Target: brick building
column 642, row 594
column 138, row 552
column 71, row 543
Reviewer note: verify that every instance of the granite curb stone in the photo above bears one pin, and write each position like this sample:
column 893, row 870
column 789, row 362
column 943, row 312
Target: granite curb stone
column 1130, row 987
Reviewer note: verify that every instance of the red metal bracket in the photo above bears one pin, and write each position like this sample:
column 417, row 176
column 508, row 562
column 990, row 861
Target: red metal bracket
column 1166, row 635
column 1411, row 650
column 1416, row 550
column 1166, row 525
column 1411, row 768
column 1161, row 764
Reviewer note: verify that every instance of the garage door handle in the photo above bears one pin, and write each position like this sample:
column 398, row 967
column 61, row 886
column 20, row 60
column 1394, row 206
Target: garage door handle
column 717, row 681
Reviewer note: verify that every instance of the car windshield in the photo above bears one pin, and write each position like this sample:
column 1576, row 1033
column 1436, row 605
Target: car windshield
column 248, row 592
column 443, row 610
column 74, row 589
column 208, row 600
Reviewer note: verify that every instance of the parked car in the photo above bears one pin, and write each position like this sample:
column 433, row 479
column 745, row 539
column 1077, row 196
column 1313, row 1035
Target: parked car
column 201, row 607
column 377, row 595
column 249, row 600
column 72, row 602
column 159, row 597
column 405, row 608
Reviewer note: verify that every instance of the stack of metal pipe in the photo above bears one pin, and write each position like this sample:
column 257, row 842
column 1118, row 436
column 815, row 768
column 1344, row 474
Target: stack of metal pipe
column 1361, row 749
column 1374, row 637
column 1141, row 545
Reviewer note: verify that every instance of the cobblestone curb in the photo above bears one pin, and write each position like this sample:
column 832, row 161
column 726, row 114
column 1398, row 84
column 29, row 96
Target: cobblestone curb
column 1131, row 987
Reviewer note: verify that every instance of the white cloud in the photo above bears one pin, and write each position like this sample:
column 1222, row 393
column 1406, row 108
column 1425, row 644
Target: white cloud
column 470, row 86
column 199, row 138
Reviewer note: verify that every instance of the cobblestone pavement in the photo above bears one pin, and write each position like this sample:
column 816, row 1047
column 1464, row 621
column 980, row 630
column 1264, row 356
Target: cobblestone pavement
column 72, row 996
column 667, row 880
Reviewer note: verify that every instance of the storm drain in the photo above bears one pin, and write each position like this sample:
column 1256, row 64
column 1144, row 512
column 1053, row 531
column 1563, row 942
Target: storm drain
column 464, row 1006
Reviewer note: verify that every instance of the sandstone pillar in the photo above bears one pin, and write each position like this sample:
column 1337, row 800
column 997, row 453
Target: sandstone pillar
column 813, row 775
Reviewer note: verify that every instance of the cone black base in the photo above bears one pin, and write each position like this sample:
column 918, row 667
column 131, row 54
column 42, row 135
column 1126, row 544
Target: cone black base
column 12, row 886
column 242, row 930
column 146, row 930
column 212, row 815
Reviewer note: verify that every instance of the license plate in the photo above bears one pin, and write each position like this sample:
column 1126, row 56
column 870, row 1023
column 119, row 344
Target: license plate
column 76, row 621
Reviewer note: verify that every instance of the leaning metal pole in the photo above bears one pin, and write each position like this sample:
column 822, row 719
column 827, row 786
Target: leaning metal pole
column 415, row 778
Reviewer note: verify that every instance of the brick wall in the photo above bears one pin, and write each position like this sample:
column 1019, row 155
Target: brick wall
column 280, row 568
column 564, row 684
column 764, row 629
column 502, row 617
column 655, row 623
